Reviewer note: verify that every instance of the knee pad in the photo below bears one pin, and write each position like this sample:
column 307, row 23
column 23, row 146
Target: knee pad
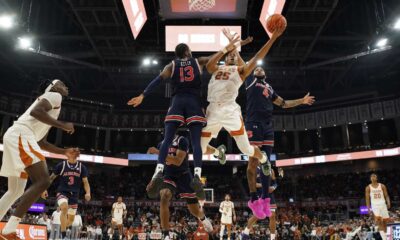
column 244, row 146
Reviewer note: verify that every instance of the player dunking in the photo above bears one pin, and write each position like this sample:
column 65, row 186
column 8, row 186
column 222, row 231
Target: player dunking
column 22, row 158
column 271, row 196
column 72, row 174
column 224, row 112
column 118, row 213
column 185, row 75
column 228, row 216
column 177, row 179
column 259, row 107
column 377, row 198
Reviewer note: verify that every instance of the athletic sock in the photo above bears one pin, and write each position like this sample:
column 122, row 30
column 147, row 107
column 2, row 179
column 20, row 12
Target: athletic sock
column 11, row 226
column 159, row 168
column 253, row 196
column 63, row 234
column 246, row 231
column 272, row 236
column 197, row 171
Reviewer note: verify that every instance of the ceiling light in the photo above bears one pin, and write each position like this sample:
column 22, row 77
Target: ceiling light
column 6, row 21
column 24, row 42
column 382, row 42
column 397, row 24
column 146, row 61
column 155, row 62
column 259, row 62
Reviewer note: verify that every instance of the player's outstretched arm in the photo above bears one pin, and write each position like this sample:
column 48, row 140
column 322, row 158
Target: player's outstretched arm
column 230, row 36
column 45, row 194
column 165, row 74
column 40, row 112
column 212, row 63
column 387, row 198
column 69, row 152
column 249, row 67
column 86, row 186
column 306, row 100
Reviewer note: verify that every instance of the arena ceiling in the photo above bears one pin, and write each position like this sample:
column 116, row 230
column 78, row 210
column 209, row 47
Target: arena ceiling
column 96, row 54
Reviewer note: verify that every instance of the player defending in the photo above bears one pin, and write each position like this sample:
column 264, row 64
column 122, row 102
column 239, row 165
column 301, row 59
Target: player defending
column 271, row 196
column 223, row 111
column 177, row 179
column 23, row 143
column 228, row 216
column 72, row 175
column 185, row 75
column 118, row 213
column 377, row 198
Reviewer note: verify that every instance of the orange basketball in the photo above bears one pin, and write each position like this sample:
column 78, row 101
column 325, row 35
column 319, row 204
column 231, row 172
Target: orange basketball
column 276, row 21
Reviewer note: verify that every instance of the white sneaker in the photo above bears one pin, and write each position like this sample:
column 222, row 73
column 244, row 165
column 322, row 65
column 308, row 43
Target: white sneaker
column 207, row 225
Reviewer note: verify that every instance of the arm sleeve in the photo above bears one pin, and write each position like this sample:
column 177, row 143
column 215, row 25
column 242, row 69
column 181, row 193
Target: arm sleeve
column 183, row 144
column 84, row 172
column 274, row 95
column 247, row 82
column 53, row 98
column 152, row 86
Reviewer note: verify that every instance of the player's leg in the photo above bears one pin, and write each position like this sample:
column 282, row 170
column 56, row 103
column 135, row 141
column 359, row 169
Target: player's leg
column 222, row 231
column 113, row 223
column 272, row 222
column 38, row 173
column 250, row 223
column 195, row 137
column 63, row 204
column 16, row 187
column 165, row 199
column 229, row 230
column 120, row 230
column 383, row 224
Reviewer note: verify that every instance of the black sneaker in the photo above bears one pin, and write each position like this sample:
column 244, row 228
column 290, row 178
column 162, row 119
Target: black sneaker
column 153, row 188
column 197, row 186
column 222, row 156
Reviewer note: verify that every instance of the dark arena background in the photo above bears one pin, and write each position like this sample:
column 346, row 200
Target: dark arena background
column 344, row 52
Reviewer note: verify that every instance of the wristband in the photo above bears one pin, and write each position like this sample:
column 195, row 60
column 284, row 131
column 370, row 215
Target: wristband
column 224, row 51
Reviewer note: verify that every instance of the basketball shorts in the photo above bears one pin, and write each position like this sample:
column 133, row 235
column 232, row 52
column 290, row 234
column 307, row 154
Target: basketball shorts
column 69, row 198
column 186, row 109
column 226, row 220
column 223, row 115
column 380, row 211
column 260, row 133
column 179, row 184
column 21, row 150
column 117, row 220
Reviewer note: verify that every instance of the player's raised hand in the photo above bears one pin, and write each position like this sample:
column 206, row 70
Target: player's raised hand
column 88, row 197
column 246, row 41
column 68, row 127
column 44, row 195
column 308, row 100
column 136, row 101
column 277, row 33
column 228, row 33
column 232, row 43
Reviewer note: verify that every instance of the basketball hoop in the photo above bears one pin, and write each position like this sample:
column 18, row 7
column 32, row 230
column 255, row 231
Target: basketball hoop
column 201, row 5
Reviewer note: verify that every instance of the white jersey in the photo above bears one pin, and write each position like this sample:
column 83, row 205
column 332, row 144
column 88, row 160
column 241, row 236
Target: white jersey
column 227, row 208
column 377, row 196
column 39, row 128
column 224, row 85
column 119, row 209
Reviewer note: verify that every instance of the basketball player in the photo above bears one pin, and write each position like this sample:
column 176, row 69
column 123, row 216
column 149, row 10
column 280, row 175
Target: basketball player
column 118, row 213
column 228, row 216
column 185, row 76
column 377, row 197
column 259, row 106
column 22, row 156
column 224, row 112
column 177, row 179
column 72, row 175
column 273, row 206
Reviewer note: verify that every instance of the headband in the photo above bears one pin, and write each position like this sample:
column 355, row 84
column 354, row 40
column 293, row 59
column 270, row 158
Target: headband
column 51, row 85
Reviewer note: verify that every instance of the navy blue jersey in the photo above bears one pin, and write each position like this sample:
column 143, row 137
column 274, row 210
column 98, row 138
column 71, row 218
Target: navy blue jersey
column 260, row 98
column 186, row 76
column 182, row 144
column 70, row 176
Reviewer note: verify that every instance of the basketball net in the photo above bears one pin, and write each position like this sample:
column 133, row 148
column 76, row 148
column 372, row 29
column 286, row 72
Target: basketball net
column 201, row 5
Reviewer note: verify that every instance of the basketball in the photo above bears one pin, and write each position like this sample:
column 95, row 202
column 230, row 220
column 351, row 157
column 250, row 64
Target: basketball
column 276, row 21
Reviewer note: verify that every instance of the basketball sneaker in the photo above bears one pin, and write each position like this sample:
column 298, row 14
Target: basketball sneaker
column 257, row 209
column 266, row 203
column 222, row 156
column 266, row 167
column 153, row 188
column 197, row 186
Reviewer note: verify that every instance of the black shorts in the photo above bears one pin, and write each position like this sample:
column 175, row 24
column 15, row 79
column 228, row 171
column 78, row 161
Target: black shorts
column 186, row 109
column 260, row 133
column 71, row 197
column 179, row 184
